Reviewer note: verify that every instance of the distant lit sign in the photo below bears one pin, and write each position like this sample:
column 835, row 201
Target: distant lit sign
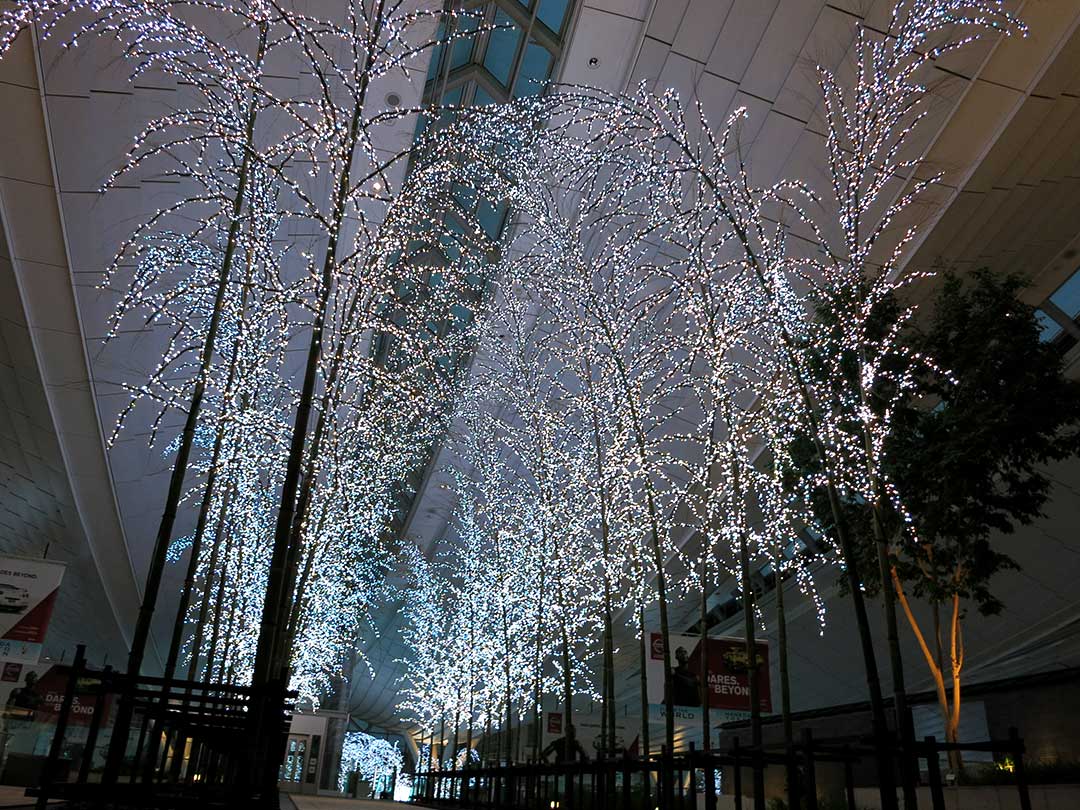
column 554, row 723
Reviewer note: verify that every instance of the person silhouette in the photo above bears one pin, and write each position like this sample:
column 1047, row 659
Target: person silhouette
column 686, row 686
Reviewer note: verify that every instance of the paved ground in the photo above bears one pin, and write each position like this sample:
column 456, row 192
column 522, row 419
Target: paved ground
column 16, row 797
column 334, row 803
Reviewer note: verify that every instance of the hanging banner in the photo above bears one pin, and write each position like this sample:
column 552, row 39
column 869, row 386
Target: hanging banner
column 28, row 590
column 728, row 675
column 588, row 739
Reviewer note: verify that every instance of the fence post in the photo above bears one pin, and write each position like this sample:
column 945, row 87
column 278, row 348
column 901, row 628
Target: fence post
column 134, row 775
column 49, row 771
column 933, row 773
column 95, row 727
column 1017, row 746
column 693, row 777
column 849, row 777
column 791, row 765
column 664, row 794
column 810, row 781
column 627, row 776
column 737, row 776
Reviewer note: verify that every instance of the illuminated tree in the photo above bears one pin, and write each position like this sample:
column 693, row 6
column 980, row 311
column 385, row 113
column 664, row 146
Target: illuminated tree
column 372, row 759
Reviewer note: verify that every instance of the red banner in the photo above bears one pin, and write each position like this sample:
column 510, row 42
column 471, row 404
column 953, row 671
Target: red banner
column 728, row 673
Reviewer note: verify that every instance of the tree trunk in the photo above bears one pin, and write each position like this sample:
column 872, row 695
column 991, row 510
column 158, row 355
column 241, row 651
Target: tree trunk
column 219, row 600
column 706, row 742
column 608, row 722
column 487, row 737
column 873, row 683
column 781, row 643
column 196, row 543
column 267, row 656
column 657, row 549
column 644, row 704
column 706, row 689
column 933, row 662
column 211, row 573
column 538, row 669
column 956, row 656
column 454, row 744
column 752, row 668
column 569, row 736
column 187, row 436
column 785, row 682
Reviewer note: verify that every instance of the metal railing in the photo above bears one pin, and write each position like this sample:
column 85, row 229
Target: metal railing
column 682, row 781
column 188, row 741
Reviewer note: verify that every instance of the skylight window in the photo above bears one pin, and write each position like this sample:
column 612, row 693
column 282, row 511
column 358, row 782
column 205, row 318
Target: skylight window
column 502, row 47
column 552, row 13
column 1049, row 328
column 1067, row 296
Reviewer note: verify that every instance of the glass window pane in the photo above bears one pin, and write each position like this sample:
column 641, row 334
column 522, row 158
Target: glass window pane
column 1049, row 328
column 482, row 97
column 552, row 13
column 491, row 218
column 463, row 47
column 437, row 51
column 502, row 45
column 535, row 71
column 1068, row 296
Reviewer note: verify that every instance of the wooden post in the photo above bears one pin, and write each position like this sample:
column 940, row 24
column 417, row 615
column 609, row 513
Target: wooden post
column 665, row 796
column 710, row 780
column 693, row 777
column 1017, row 750
column 849, row 778
column 95, row 728
column 138, row 750
column 49, row 771
column 810, row 779
column 933, row 770
column 791, row 767
column 737, row 780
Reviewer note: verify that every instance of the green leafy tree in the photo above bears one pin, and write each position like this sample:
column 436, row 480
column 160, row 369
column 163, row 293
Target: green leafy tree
column 968, row 459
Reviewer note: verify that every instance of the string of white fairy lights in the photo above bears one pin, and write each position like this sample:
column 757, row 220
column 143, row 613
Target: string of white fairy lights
column 655, row 332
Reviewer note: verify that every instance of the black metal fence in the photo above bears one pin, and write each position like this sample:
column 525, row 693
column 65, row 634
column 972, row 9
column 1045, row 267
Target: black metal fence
column 688, row 780
column 188, row 741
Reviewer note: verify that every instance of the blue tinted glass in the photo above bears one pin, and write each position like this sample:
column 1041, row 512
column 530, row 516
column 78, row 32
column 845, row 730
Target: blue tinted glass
column 502, row 45
column 482, row 97
column 490, row 218
column 460, row 313
column 466, row 197
column 1068, row 296
column 437, row 51
column 1049, row 328
column 463, row 47
column 552, row 12
column 422, row 122
column 535, row 71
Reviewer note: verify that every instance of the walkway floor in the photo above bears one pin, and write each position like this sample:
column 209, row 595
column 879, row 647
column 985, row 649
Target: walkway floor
column 16, row 797
column 335, row 803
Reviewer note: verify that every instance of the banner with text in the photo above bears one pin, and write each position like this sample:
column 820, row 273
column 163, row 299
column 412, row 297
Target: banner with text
column 588, row 739
column 28, row 590
column 728, row 673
